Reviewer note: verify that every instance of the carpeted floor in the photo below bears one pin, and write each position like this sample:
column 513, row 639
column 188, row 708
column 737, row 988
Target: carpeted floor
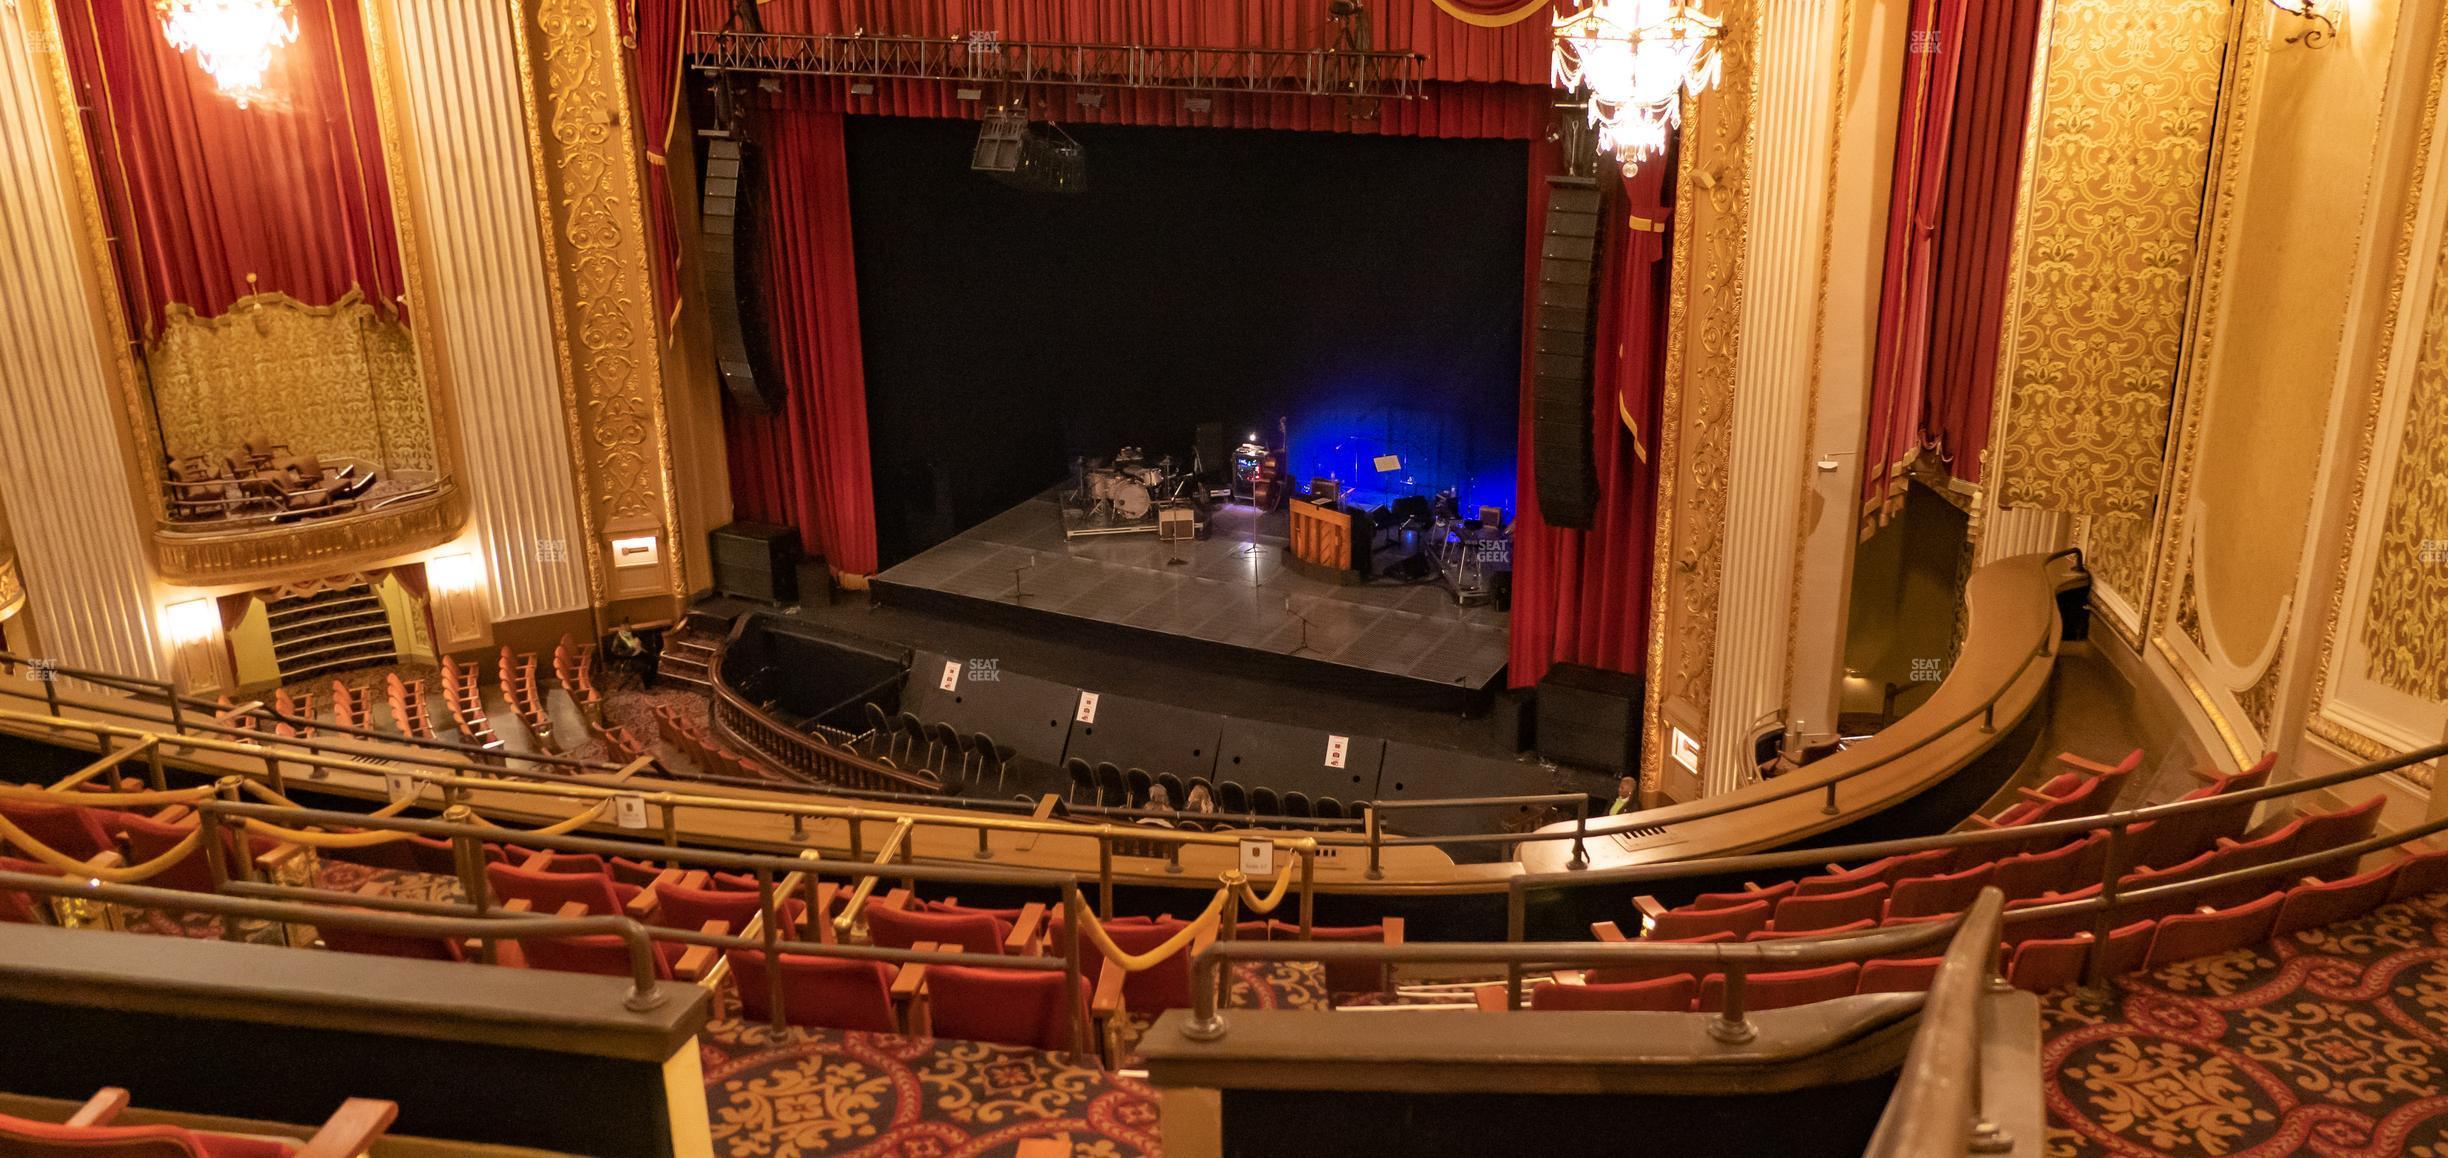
column 2332, row 1042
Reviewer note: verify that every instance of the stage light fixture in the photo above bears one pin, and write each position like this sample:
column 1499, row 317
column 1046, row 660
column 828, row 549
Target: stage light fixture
column 862, row 88
column 231, row 40
column 1637, row 59
column 1090, row 100
column 1198, row 104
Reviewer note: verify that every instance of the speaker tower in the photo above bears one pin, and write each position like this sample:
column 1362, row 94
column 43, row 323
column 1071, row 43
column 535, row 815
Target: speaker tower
column 1563, row 464
column 732, row 212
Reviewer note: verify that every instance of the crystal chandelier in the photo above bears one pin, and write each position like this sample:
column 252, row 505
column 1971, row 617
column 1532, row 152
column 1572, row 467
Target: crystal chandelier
column 233, row 40
column 1637, row 58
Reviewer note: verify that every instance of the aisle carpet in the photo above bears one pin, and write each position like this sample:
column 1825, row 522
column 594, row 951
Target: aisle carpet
column 2332, row 1042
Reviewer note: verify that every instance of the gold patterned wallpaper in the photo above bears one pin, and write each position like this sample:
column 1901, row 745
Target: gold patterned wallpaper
column 339, row 381
column 2405, row 622
column 2111, row 214
column 1703, row 339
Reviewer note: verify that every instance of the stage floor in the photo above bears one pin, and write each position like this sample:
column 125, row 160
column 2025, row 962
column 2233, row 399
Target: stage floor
column 1229, row 589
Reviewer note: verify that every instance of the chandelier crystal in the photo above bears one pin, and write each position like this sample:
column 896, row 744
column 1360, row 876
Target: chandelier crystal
column 233, row 40
column 1637, row 58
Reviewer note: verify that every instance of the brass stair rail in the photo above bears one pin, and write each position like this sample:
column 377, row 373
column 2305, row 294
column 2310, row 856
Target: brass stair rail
column 1937, row 1106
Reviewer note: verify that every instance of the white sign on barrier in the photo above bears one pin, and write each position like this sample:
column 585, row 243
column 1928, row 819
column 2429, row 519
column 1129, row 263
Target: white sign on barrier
column 951, row 675
column 1338, row 751
column 1257, row 858
column 629, row 810
column 1087, row 708
column 400, row 786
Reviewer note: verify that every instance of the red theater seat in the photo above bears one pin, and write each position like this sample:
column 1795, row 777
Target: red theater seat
column 2030, row 874
column 83, row 833
column 1771, row 894
column 681, row 907
column 2190, row 935
column 1166, row 984
column 1688, row 924
column 1647, row 970
column 22, row 908
column 548, row 892
column 1898, row 976
column 1925, row 896
column 1663, row 995
column 2311, row 906
column 896, row 928
column 1826, row 911
column 88, row 1133
column 827, row 992
column 602, row 953
column 1349, row 977
column 1784, row 990
column 1000, row 1005
column 2420, row 874
column 2048, row 963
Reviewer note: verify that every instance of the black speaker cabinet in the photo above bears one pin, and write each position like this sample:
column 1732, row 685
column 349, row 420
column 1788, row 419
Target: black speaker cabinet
column 1563, row 463
column 757, row 561
column 1590, row 718
column 731, row 213
column 1513, row 716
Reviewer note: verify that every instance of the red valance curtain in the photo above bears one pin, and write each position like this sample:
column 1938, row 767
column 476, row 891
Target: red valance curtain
column 1959, row 148
column 1456, row 50
column 209, row 202
column 807, row 466
column 1583, row 596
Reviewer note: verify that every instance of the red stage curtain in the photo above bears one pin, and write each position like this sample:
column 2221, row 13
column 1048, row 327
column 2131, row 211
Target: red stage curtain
column 657, row 28
column 201, row 194
column 807, row 466
column 1514, row 112
column 1583, row 596
column 1959, row 147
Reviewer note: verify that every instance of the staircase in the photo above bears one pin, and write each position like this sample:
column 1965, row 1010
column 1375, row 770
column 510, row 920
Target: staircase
column 329, row 631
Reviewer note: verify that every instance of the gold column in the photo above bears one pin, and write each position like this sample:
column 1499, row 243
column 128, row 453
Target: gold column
column 583, row 145
column 1703, row 340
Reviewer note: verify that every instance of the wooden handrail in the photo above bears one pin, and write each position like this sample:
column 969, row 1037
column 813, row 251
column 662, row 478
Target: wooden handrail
column 1936, row 1107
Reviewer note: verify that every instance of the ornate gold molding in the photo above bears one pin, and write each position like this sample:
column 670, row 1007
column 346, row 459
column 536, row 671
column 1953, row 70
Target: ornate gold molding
column 12, row 586
column 322, row 547
column 2125, row 122
column 337, row 381
column 590, row 199
column 1703, row 340
column 2402, row 271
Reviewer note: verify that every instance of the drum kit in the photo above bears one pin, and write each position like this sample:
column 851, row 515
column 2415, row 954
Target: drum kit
column 1124, row 496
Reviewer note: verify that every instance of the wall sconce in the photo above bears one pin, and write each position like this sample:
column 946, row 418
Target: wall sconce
column 453, row 574
column 2318, row 27
column 193, row 631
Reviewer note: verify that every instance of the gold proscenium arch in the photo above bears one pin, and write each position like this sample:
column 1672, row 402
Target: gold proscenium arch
column 315, row 547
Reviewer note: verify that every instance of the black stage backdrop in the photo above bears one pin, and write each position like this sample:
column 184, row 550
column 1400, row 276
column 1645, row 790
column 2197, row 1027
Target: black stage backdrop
column 1369, row 288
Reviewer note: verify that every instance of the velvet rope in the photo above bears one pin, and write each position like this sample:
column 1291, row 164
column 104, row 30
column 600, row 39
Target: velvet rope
column 125, row 875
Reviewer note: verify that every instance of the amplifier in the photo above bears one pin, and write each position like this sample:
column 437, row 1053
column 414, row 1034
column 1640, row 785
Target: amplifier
column 1590, row 718
column 757, row 561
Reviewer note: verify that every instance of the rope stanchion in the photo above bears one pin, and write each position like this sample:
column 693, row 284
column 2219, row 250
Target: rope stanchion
column 123, row 875
column 1204, row 923
column 162, row 797
column 557, row 828
column 1263, row 906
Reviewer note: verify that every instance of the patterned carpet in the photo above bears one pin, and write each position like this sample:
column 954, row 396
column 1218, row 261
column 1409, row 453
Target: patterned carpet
column 2331, row 1041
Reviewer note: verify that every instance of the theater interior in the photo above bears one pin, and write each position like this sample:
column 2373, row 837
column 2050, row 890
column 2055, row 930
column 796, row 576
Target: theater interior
column 1223, row 578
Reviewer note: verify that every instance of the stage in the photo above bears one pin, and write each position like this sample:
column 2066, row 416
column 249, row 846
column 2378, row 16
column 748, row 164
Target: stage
column 1228, row 599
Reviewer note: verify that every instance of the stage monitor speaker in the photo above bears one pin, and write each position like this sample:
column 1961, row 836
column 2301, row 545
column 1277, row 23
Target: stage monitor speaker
column 1214, row 453
column 1590, row 719
column 1419, row 772
column 757, row 561
column 1031, row 716
column 1563, row 461
column 1314, row 763
column 731, row 214
column 1128, row 732
column 1513, row 717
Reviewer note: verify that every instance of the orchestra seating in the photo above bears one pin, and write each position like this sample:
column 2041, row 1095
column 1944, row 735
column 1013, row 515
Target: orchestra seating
column 692, row 739
column 463, row 691
column 352, row 707
column 574, row 670
column 409, row 715
column 518, row 686
column 90, row 1132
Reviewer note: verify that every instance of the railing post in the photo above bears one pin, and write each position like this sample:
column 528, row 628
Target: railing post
column 1308, row 890
column 2095, row 964
column 1731, row 1025
column 469, row 853
column 1829, row 808
column 798, row 828
column 858, row 836
column 1517, row 919
column 1075, row 970
column 273, row 773
column 771, row 931
column 1105, row 880
column 1989, row 718
column 1580, row 853
column 1376, row 866
column 153, row 766
column 1173, row 856
column 983, row 852
column 671, row 830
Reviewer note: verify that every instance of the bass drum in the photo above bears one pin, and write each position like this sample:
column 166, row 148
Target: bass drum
column 1131, row 499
